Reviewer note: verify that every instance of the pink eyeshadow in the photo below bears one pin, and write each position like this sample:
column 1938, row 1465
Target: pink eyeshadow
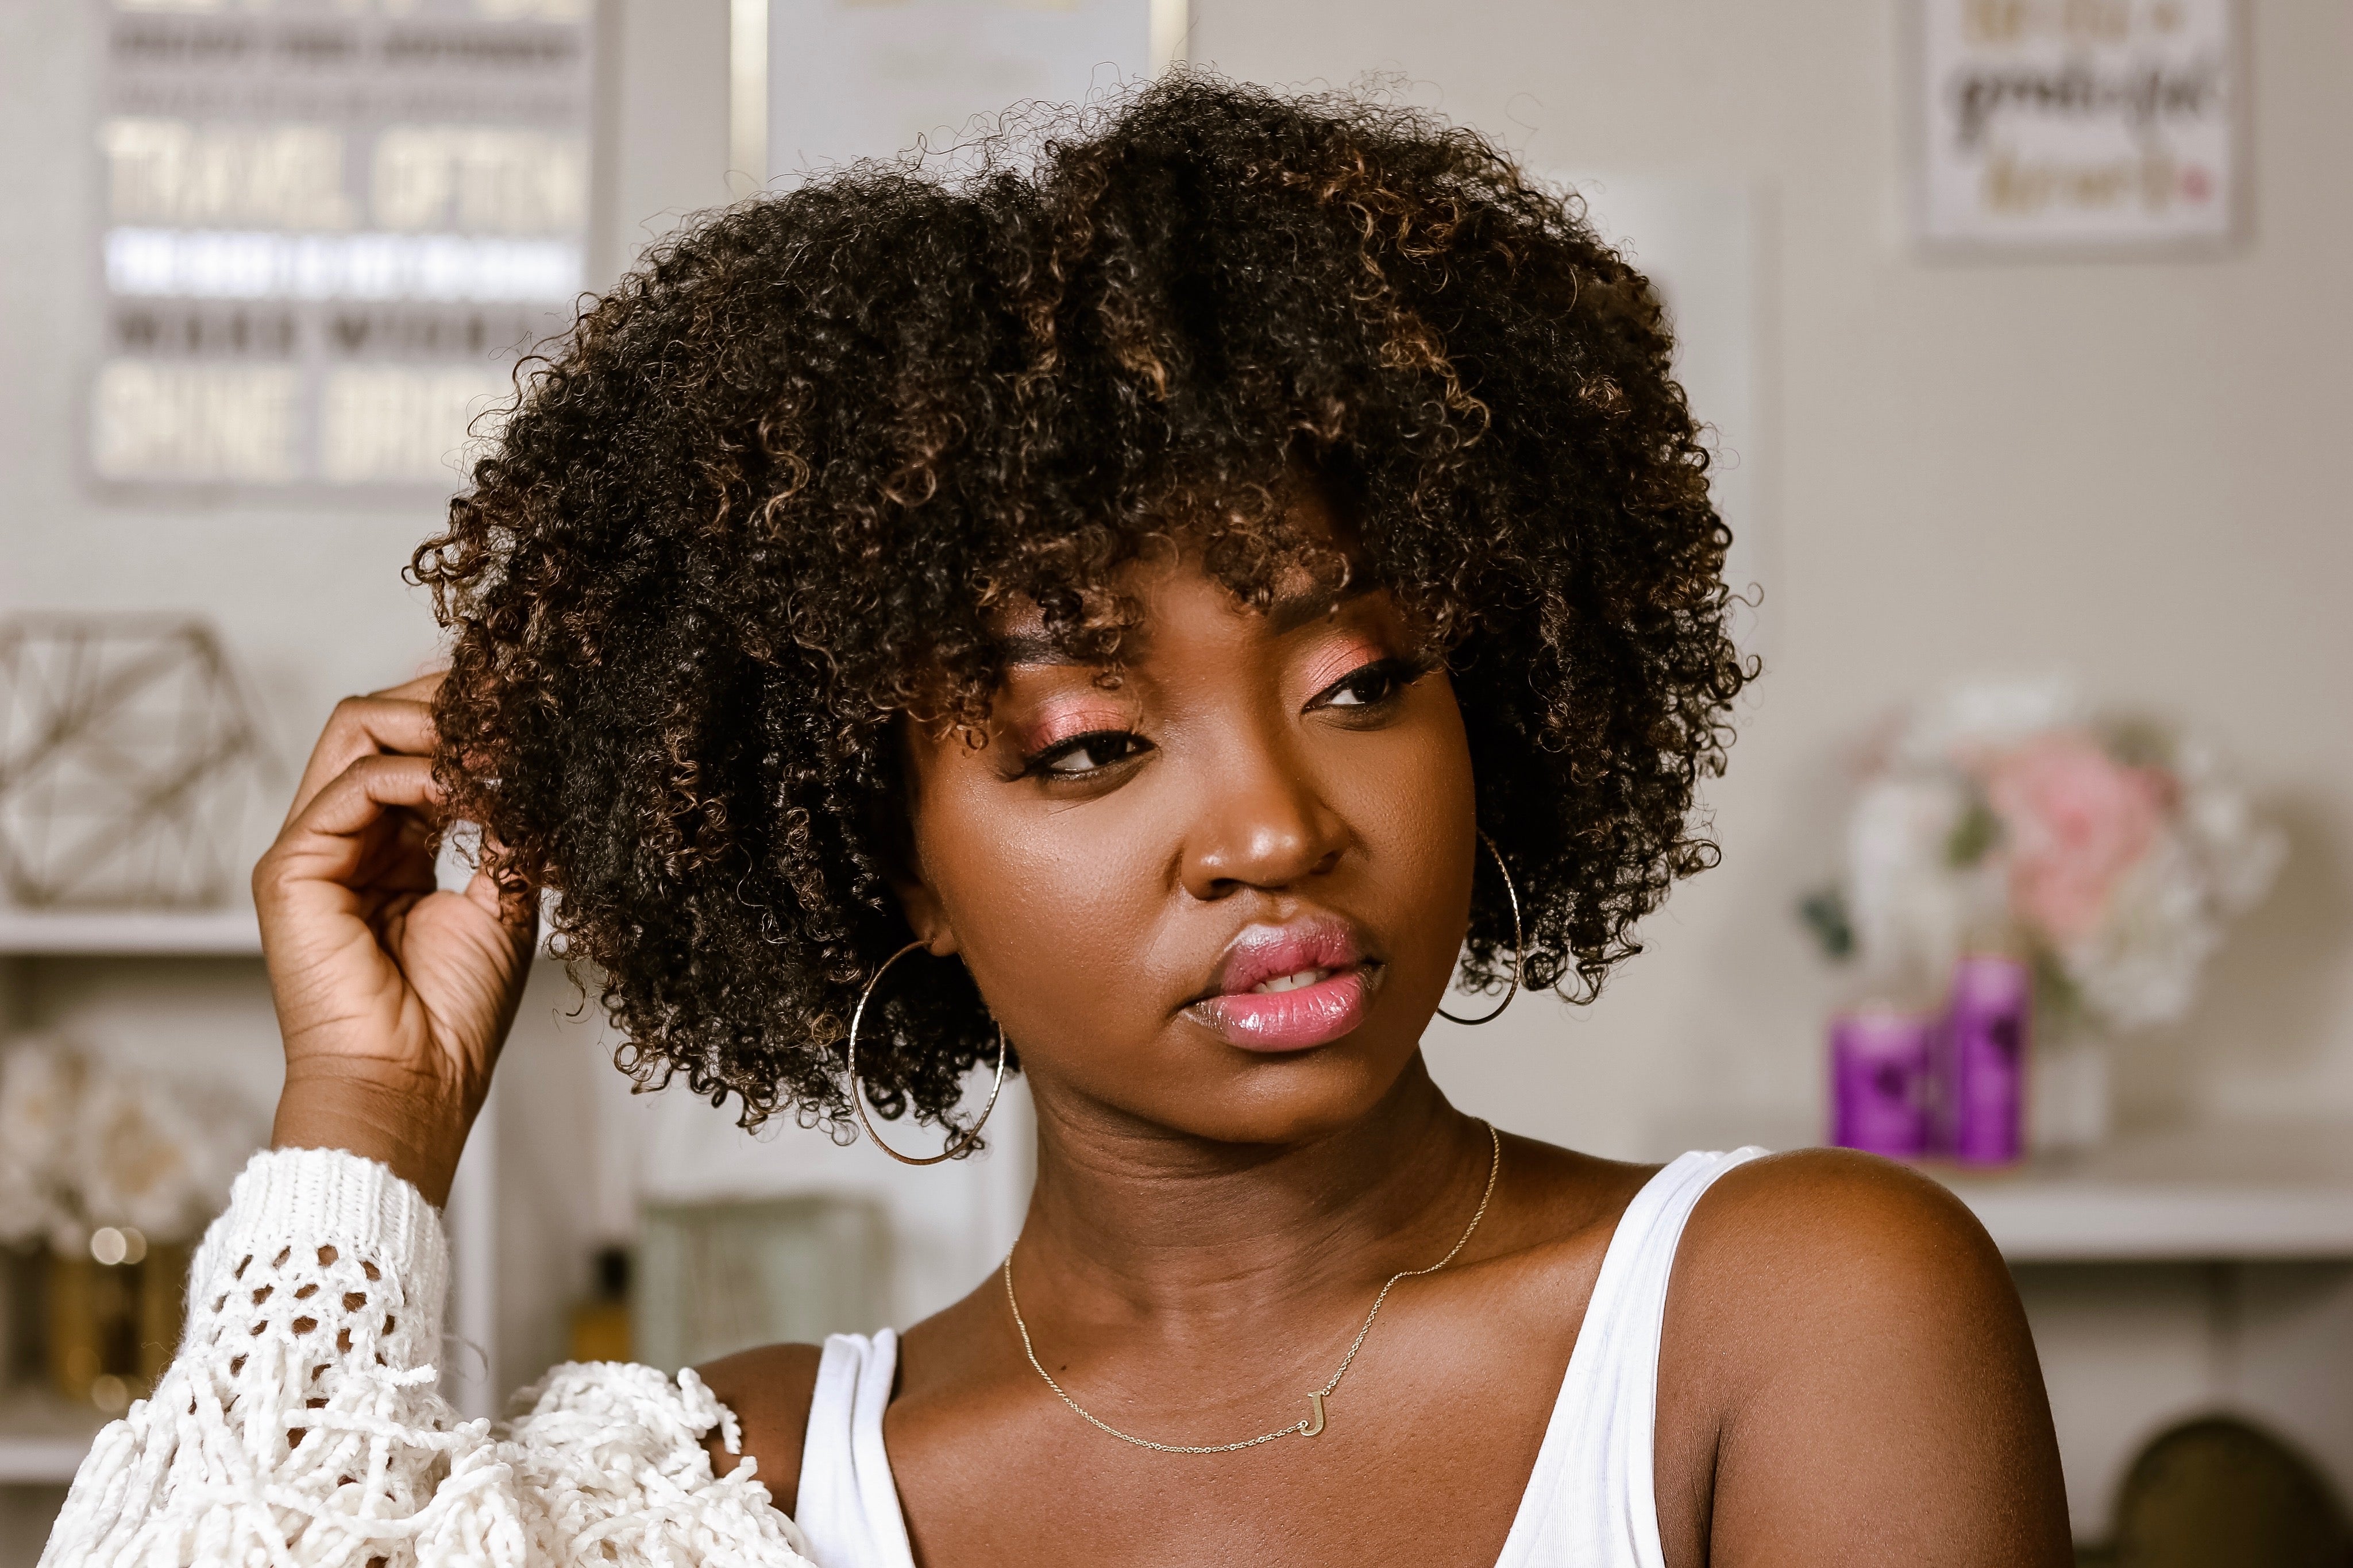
column 1341, row 659
column 1058, row 724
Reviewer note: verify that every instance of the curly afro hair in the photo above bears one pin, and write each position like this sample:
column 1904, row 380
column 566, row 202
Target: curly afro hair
column 760, row 506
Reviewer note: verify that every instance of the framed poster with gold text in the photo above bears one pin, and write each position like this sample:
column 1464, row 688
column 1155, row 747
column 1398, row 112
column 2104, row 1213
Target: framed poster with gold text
column 326, row 227
column 2054, row 125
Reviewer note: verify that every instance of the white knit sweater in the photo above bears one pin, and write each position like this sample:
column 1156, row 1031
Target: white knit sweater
column 300, row 1425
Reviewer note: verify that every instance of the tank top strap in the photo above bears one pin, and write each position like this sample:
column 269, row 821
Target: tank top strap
column 847, row 1503
column 1591, row 1499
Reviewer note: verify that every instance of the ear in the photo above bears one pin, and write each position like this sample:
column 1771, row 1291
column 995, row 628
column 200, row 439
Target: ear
column 926, row 916
column 902, row 856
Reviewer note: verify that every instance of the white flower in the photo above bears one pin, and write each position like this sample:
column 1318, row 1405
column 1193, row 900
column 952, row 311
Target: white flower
column 82, row 1146
column 41, row 1090
column 2237, row 854
column 2140, row 967
column 1977, row 717
column 1910, row 911
column 155, row 1155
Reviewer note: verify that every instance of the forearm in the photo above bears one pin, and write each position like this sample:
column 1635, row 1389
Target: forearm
column 301, row 1404
column 413, row 1127
column 300, row 1425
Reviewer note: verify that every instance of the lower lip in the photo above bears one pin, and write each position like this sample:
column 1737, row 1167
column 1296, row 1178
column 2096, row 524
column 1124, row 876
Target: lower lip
column 1290, row 1020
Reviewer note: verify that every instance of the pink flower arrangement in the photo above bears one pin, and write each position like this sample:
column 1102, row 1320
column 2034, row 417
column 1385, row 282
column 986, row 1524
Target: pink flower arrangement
column 2005, row 815
column 2075, row 820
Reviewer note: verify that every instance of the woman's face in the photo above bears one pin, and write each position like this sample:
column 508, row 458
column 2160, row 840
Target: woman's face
column 1223, row 896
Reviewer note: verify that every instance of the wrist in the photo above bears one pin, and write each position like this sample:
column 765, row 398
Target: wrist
column 418, row 1130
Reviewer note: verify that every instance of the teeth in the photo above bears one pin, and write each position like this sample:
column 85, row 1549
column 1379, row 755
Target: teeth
column 1291, row 982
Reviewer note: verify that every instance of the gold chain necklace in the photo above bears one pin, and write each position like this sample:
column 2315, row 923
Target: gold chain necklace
column 1312, row 1423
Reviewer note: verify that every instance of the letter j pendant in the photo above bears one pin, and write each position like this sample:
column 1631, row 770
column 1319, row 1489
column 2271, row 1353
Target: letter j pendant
column 1312, row 1428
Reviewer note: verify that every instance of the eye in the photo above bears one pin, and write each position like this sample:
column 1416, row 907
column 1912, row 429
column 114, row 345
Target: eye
column 1088, row 753
column 1366, row 687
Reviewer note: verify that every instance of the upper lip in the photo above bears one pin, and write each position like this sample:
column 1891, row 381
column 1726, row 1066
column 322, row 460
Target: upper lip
column 1263, row 953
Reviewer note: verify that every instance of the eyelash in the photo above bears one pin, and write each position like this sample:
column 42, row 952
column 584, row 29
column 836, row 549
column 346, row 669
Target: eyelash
column 1042, row 765
column 1397, row 674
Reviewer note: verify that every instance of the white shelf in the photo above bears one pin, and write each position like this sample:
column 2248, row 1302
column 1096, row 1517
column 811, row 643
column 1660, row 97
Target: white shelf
column 2213, row 1193
column 40, row 1461
column 139, row 934
column 2220, row 1193
column 43, row 1440
column 194, row 933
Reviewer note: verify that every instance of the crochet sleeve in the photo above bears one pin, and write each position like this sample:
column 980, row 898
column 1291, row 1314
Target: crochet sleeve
column 301, row 1423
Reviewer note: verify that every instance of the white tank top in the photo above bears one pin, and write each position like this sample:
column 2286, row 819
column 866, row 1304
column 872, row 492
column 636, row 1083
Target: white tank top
column 1589, row 1503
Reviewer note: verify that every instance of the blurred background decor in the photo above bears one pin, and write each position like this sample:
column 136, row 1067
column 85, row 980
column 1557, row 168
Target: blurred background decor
column 2005, row 838
column 2219, row 1492
column 2106, row 125
column 818, row 83
column 325, row 232
column 1931, row 462
column 129, row 762
column 108, row 1174
column 718, row 1277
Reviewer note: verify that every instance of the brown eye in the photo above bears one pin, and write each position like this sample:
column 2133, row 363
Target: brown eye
column 1083, row 754
column 1364, row 688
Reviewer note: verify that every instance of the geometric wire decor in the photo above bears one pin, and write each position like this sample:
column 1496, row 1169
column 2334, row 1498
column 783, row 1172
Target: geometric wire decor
column 129, row 762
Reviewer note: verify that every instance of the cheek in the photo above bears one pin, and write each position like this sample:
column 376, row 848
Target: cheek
column 1410, row 800
column 1049, row 908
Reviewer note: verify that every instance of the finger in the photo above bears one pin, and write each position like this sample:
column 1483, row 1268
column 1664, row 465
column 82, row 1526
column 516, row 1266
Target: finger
column 420, row 689
column 483, row 891
column 328, row 838
column 363, row 726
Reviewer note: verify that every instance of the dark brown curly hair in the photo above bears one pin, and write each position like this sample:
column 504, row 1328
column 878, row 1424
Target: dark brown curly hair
column 758, row 508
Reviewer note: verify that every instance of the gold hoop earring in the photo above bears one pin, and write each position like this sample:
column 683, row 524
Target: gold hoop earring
column 858, row 1099
column 1518, row 939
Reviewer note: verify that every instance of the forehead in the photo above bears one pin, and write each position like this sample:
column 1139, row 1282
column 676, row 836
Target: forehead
column 1202, row 579
column 1179, row 601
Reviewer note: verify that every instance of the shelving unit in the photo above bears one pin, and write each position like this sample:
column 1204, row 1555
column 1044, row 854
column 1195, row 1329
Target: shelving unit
column 2202, row 1195
column 42, row 1440
column 2215, row 1192
column 129, row 933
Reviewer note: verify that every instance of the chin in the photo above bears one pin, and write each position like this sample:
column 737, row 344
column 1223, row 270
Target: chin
column 1293, row 1097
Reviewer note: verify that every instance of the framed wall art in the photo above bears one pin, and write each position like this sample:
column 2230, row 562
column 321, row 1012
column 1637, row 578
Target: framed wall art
column 2058, row 125
column 325, row 228
column 822, row 82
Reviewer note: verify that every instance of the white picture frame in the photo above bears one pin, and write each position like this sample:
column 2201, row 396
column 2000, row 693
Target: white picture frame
column 818, row 83
column 2044, row 127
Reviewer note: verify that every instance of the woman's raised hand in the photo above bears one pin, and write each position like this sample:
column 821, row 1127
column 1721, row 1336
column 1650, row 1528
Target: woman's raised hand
column 392, row 997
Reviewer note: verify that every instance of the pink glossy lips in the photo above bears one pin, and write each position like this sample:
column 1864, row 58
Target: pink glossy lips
column 1287, row 987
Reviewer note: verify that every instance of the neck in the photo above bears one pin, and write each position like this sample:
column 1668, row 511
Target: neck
column 1132, row 1224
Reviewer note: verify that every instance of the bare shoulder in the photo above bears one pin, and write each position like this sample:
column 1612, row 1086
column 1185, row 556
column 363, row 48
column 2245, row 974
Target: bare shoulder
column 1842, row 1231
column 1846, row 1375
column 769, row 1389
column 1798, row 1266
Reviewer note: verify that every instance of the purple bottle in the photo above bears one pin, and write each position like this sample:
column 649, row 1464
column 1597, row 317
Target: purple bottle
column 1879, row 1081
column 1986, row 1027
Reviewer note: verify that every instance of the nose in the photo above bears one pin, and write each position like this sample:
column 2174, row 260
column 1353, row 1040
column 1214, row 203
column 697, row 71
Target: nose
column 1262, row 825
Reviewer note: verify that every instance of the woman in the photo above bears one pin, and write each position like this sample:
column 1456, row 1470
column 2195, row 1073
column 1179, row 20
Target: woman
column 1196, row 587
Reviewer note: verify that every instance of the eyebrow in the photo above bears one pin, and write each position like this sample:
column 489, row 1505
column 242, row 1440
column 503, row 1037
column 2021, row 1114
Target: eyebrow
column 1032, row 648
column 1284, row 615
column 1294, row 611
